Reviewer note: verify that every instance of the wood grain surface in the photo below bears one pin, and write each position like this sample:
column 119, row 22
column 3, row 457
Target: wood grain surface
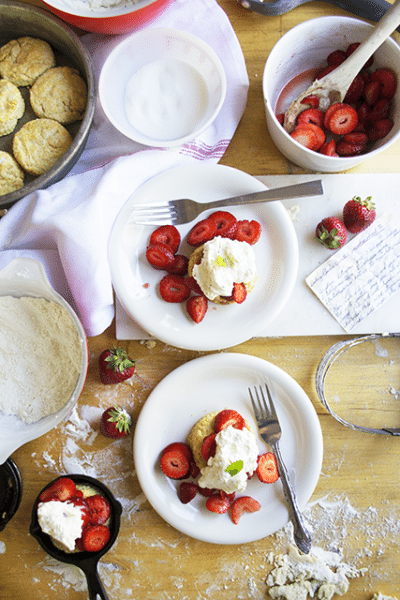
column 355, row 506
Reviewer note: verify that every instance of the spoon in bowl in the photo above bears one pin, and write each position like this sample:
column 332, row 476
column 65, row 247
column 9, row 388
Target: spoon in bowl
column 86, row 561
column 333, row 87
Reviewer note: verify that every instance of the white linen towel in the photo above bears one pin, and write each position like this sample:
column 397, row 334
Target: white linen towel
column 67, row 226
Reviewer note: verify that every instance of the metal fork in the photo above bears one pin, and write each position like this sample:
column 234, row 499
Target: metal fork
column 183, row 210
column 270, row 431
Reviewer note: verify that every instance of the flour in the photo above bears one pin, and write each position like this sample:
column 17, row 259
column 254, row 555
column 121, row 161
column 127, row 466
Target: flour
column 320, row 574
column 40, row 357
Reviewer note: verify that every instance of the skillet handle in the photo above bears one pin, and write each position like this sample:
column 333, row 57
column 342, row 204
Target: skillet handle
column 95, row 586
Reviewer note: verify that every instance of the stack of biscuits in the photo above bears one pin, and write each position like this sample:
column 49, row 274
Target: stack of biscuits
column 58, row 97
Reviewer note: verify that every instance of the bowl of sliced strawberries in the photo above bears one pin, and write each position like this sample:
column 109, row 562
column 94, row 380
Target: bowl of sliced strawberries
column 341, row 136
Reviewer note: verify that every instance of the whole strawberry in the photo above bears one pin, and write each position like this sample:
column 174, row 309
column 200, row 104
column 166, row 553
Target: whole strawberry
column 115, row 366
column 115, row 422
column 331, row 232
column 358, row 214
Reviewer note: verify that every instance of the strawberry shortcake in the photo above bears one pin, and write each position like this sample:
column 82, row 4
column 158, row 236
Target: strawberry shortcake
column 220, row 456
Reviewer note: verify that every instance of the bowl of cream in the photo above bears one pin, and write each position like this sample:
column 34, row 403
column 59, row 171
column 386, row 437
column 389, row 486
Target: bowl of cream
column 162, row 87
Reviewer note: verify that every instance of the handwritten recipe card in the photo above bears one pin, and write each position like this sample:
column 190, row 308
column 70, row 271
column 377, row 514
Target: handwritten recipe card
column 362, row 275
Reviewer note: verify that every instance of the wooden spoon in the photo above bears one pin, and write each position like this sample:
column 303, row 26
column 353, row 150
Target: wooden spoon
column 333, row 87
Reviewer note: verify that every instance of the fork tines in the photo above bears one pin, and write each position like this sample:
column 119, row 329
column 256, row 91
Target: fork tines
column 153, row 214
column 260, row 405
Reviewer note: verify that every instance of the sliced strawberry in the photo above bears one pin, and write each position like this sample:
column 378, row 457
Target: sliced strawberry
column 180, row 265
column 174, row 463
column 85, row 509
column 280, row 118
column 239, row 293
column 62, row 489
column 305, row 136
column 344, row 148
column 166, row 234
column 343, row 120
column 160, row 256
column 363, row 112
column 228, row 417
column 187, row 491
column 329, row 148
column 315, row 116
column 242, row 505
column 194, row 286
column 181, row 447
column 379, row 129
column 372, row 92
column 336, row 57
column 312, row 100
column 388, row 80
column 355, row 90
column 217, row 504
column 225, row 222
column 95, row 538
column 206, row 492
column 267, row 468
column 100, row 508
column 197, row 307
column 194, row 470
column 203, row 231
column 173, row 288
column 208, row 446
column 356, row 137
column 329, row 112
column 248, row 231
column 380, row 110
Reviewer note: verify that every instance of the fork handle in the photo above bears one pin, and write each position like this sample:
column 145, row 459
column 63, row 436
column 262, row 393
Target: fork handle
column 300, row 532
column 297, row 190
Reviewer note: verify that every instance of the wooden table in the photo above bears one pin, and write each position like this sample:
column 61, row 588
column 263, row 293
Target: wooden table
column 358, row 490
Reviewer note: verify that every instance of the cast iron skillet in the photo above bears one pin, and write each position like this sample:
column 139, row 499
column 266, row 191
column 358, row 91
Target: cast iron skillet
column 86, row 561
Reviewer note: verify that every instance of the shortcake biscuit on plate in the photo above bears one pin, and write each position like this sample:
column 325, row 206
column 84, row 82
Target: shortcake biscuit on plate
column 11, row 174
column 24, row 59
column 199, row 431
column 39, row 144
column 60, row 94
column 12, row 106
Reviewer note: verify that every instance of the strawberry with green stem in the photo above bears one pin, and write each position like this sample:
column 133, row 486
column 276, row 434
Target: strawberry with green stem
column 115, row 422
column 115, row 366
column 358, row 214
column 331, row 232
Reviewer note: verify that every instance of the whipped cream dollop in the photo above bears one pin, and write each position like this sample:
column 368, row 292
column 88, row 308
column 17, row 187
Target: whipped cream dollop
column 63, row 521
column 224, row 262
column 231, row 445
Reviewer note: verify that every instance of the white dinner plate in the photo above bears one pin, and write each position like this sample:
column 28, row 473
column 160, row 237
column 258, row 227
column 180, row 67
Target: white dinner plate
column 136, row 282
column 211, row 383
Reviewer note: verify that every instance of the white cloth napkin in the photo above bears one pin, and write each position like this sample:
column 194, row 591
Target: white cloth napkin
column 67, row 226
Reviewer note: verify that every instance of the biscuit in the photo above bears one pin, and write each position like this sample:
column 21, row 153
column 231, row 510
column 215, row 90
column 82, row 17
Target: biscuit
column 11, row 174
column 195, row 258
column 24, row 59
column 199, row 431
column 60, row 94
column 39, row 144
column 12, row 106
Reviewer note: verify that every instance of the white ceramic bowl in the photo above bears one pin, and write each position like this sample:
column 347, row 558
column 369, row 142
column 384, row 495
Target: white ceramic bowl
column 305, row 47
column 142, row 51
column 26, row 277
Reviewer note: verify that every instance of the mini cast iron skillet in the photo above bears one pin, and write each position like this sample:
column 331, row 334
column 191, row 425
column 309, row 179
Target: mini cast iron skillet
column 86, row 561
column 10, row 491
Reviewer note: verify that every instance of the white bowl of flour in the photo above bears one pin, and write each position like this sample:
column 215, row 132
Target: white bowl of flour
column 43, row 355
